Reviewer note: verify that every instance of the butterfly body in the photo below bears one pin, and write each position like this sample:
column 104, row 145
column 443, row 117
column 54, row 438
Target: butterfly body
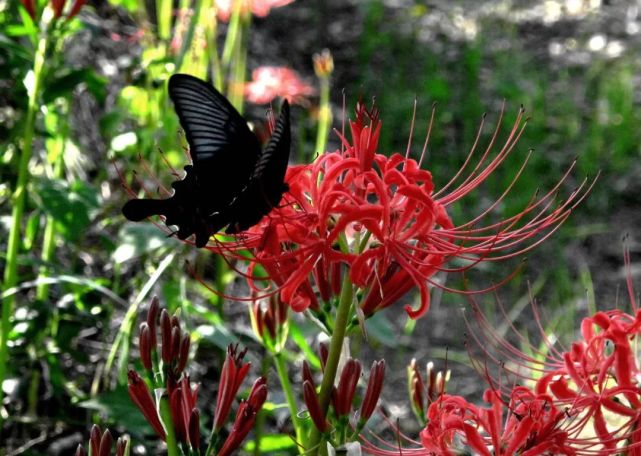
column 232, row 182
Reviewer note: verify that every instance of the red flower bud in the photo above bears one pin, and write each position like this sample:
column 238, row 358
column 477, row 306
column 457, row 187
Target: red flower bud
column 232, row 375
column 313, row 406
column 141, row 396
column 194, row 429
column 152, row 319
column 323, row 352
column 30, row 6
column 347, row 387
column 307, row 374
column 57, row 6
column 105, row 444
column 121, row 446
column 94, row 439
column 75, row 9
column 145, row 346
column 373, row 391
column 165, row 335
column 183, row 354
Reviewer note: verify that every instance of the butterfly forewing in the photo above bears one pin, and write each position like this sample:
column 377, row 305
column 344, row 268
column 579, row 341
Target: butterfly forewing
column 221, row 145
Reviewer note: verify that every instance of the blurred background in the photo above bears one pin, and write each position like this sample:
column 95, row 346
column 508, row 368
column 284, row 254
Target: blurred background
column 573, row 64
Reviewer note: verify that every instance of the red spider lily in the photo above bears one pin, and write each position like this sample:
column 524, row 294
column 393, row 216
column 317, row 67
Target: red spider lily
column 260, row 8
column 596, row 380
column 532, row 425
column 343, row 394
column 382, row 218
column 269, row 82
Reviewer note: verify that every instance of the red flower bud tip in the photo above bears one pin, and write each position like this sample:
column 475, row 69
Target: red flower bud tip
column 176, row 339
column 30, row 6
column 80, row 451
column 258, row 393
column 105, row 444
column 175, row 321
column 57, row 6
column 416, row 389
column 373, row 391
column 121, row 446
column 323, row 351
column 152, row 319
column 232, row 375
column 94, row 439
column 194, row 429
column 140, row 395
column 307, row 374
column 75, row 9
column 183, row 354
column 180, row 423
column 145, row 346
column 165, row 335
column 347, row 387
column 313, row 406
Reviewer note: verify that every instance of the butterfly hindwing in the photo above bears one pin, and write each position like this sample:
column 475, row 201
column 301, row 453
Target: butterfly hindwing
column 267, row 183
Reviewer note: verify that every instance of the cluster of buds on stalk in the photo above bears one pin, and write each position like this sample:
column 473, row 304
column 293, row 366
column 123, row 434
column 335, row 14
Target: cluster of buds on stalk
column 343, row 422
column 269, row 321
column 423, row 393
column 59, row 8
column 173, row 412
column 101, row 444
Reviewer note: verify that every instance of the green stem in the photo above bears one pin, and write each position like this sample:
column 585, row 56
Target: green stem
column 335, row 347
column 49, row 241
column 324, row 116
column 291, row 400
column 18, row 202
column 165, row 414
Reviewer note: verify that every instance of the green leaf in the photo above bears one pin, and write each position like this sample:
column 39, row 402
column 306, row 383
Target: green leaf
column 118, row 407
column 71, row 205
column 381, row 330
column 64, row 82
column 271, row 443
column 135, row 240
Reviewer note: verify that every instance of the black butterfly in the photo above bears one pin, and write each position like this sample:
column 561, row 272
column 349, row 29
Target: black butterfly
column 232, row 183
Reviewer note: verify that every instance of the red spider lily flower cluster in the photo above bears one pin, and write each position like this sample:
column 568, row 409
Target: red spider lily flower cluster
column 269, row 82
column 101, row 444
column 166, row 373
column 343, row 395
column 58, row 7
column 259, row 8
column 423, row 393
column 596, row 381
column 529, row 424
column 382, row 218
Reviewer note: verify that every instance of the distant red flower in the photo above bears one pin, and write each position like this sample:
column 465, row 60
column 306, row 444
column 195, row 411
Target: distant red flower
column 260, row 8
column 269, row 82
